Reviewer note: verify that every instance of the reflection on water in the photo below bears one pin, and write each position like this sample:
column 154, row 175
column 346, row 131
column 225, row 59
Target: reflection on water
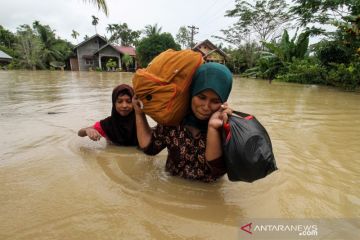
column 55, row 185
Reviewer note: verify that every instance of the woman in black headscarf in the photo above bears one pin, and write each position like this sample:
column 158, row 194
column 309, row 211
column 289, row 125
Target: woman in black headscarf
column 120, row 127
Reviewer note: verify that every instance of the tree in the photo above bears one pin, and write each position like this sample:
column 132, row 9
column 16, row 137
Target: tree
column 325, row 11
column 152, row 30
column 50, row 51
column 242, row 58
column 183, row 37
column 127, row 61
column 149, row 47
column 74, row 34
column 95, row 21
column 101, row 4
column 35, row 47
column 110, row 28
column 7, row 38
column 28, row 48
column 280, row 54
column 235, row 35
column 287, row 50
column 124, row 35
column 265, row 18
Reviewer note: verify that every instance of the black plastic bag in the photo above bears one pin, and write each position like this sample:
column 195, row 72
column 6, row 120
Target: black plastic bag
column 247, row 149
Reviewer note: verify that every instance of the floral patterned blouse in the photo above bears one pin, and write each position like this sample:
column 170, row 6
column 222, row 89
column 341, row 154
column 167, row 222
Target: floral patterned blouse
column 186, row 154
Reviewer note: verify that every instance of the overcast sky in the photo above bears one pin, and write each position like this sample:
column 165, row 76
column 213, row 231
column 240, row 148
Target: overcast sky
column 66, row 15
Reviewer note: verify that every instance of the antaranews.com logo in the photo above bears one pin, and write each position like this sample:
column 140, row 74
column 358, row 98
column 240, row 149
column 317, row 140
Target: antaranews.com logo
column 302, row 230
column 299, row 228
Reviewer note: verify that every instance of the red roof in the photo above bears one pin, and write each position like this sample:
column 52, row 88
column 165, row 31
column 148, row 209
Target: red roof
column 126, row 50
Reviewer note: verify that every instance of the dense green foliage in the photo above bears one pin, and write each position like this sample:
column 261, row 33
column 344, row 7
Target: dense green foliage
column 306, row 70
column 335, row 60
column 34, row 47
column 151, row 46
column 127, row 60
column 243, row 58
column 279, row 55
column 122, row 34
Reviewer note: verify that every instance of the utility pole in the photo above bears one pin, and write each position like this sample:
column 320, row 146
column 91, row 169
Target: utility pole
column 193, row 32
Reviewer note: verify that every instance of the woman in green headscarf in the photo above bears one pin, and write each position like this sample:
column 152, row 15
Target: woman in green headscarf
column 194, row 147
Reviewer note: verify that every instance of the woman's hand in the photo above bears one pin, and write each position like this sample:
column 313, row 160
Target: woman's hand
column 137, row 105
column 93, row 134
column 219, row 118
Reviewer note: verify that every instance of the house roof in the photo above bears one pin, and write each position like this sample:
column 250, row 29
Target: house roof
column 126, row 50
column 90, row 38
column 121, row 49
column 211, row 46
column 4, row 55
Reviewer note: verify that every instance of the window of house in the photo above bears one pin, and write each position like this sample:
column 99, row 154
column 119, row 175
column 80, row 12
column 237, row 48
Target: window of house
column 89, row 62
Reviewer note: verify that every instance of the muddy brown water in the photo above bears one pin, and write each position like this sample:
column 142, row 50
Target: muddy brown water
column 56, row 185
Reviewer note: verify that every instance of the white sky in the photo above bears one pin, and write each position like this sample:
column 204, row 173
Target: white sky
column 66, row 15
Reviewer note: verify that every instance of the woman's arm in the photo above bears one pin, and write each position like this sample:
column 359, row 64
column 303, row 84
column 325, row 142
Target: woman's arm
column 213, row 141
column 143, row 129
column 213, row 144
column 91, row 132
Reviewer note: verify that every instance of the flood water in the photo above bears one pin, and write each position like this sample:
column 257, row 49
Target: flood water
column 56, row 185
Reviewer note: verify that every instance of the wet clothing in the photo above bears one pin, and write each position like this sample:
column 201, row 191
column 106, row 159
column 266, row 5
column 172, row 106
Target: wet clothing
column 186, row 154
column 118, row 129
column 97, row 127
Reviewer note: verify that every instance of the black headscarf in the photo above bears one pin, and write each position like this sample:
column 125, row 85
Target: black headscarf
column 119, row 129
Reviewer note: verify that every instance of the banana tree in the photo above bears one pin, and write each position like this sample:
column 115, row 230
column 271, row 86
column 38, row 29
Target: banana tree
column 280, row 54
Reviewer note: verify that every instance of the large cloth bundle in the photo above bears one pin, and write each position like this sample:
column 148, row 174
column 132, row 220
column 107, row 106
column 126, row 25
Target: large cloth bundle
column 247, row 149
column 163, row 86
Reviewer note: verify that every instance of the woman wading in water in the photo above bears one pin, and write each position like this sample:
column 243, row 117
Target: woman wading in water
column 194, row 146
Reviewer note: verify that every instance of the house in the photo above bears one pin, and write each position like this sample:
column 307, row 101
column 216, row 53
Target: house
column 95, row 52
column 4, row 58
column 210, row 52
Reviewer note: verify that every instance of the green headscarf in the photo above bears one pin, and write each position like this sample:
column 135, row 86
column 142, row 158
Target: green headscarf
column 214, row 76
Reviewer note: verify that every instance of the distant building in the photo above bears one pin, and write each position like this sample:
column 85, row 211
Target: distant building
column 95, row 52
column 210, row 52
column 4, row 59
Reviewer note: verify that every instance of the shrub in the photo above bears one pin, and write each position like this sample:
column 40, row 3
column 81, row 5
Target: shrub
column 306, row 71
column 347, row 77
column 329, row 52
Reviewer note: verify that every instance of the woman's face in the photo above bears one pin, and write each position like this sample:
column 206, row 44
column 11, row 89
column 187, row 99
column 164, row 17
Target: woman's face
column 205, row 104
column 123, row 105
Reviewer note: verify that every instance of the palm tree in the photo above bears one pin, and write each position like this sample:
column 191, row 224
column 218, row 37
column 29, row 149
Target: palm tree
column 101, row 4
column 46, row 35
column 95, row 21
column 74, row 34
column 151, row 30
column 111, row 28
